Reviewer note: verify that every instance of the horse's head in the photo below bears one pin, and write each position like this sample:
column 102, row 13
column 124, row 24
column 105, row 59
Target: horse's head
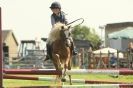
column 65, row 34
column 60, row 32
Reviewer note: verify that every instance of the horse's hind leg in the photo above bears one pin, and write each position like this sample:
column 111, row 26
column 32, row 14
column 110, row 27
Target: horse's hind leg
column 70, row 79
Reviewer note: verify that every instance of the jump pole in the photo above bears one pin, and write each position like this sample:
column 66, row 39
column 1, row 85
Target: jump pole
column 69, row 72
column 32, row 71
column 1, row 60
column 51, row 79
column 84, row 86
column 36, row 87
column 99, row 86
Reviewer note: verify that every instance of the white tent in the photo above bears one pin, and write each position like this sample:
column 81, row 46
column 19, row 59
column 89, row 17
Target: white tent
column 105, row 51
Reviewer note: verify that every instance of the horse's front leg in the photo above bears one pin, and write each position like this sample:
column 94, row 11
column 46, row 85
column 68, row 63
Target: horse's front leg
column 64, row 73
column 67, row 65
column 57, row 62
column 67, row 62
column 64, row 70
column 69, row 68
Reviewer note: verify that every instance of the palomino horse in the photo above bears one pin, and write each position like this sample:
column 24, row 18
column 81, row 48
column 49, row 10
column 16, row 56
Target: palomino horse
column 61, row 48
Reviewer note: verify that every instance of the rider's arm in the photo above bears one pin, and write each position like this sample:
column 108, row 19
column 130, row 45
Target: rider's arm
column 65, row 17
column 52, row 21
column 66, row 20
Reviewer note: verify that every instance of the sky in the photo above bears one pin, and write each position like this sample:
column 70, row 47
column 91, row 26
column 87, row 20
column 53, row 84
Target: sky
column 30, row 19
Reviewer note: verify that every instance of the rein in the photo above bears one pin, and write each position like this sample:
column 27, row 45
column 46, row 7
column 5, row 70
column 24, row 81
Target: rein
column 75, row 21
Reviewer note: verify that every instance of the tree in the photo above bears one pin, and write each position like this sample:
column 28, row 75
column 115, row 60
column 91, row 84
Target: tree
column 85, row 33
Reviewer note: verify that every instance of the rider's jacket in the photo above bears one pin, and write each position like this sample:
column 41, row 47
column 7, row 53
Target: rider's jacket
column 58, row 18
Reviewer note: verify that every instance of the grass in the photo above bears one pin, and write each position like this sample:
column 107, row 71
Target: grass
column 14, row 83
column 121, row 78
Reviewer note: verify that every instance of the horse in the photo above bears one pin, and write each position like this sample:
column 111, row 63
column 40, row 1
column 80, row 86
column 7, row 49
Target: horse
column 61, row 48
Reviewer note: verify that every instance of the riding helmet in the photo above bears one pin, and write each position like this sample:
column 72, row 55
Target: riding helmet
column 55, row 5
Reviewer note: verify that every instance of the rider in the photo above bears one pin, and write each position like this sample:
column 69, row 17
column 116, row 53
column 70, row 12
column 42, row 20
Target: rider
column 57, row 16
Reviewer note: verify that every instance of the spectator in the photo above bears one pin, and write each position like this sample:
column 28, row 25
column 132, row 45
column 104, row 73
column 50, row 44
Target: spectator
column 113, row 61
column 130, row 53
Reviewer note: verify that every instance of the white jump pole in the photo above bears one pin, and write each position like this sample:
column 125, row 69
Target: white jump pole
column 69, row 72
column 86, row 71
column 99, row 86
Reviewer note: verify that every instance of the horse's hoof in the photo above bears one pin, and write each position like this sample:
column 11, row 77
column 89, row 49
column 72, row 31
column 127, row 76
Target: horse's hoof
column 63, row 80
column 61, row 68
column 66, row 66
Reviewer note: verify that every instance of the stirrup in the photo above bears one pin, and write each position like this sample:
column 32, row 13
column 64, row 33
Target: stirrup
column 47, row 58
column 75, row 52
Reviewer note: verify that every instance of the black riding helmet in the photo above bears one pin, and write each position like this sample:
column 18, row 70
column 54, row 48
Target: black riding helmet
column 55, row 5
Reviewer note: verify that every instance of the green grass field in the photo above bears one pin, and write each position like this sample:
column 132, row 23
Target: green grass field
column 14, row 83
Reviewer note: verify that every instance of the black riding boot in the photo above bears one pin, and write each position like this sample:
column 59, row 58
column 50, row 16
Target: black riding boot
column 48, row 52
column 74, row 49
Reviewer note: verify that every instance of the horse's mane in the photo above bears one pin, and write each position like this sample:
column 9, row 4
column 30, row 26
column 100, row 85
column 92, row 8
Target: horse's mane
column 55, row 32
